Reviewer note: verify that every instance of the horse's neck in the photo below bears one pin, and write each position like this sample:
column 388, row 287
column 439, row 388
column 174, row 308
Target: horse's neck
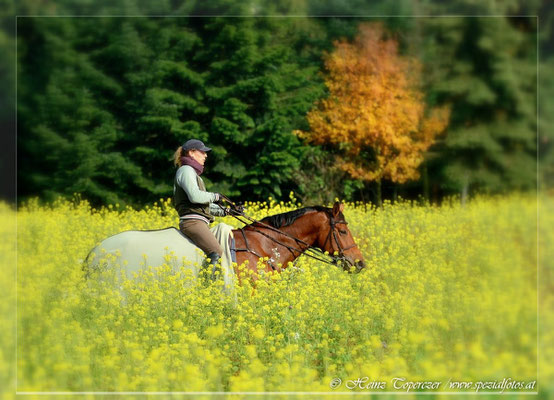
column 304, row 228
column 307, row 229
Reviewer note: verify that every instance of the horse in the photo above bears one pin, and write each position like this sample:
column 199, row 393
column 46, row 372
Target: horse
column 280, row 239
column 275, row 241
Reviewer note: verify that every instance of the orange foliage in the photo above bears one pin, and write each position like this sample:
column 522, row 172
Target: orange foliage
column 375, row 113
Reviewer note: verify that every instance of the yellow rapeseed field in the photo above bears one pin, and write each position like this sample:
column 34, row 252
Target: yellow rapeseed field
column 449, row 295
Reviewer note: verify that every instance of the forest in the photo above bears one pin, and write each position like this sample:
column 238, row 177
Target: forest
column 392, row 99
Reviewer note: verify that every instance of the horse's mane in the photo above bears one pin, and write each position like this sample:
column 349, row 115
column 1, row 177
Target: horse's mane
column 286, row 219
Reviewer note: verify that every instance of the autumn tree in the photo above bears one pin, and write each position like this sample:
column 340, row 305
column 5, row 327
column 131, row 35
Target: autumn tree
column 375, row 116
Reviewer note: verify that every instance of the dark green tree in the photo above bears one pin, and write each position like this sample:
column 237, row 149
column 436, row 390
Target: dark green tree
column 486, row 69
column 66, row 137
column 257, row 89
column 7, row 104
column 116, row 96
column 546, row 96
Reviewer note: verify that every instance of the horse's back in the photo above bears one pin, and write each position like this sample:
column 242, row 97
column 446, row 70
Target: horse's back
column 168, row 237
column 135, row 249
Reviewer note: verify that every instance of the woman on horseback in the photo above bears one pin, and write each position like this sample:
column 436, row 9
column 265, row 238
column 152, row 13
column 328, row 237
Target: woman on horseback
column 196, row 206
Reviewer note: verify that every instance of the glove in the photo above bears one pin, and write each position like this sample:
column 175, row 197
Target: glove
column 218, row 198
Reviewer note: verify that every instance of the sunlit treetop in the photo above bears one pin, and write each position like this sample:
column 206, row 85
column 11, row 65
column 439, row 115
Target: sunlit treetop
column 375, row 114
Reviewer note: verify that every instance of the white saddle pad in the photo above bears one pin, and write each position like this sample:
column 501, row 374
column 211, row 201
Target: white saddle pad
column 136, row 250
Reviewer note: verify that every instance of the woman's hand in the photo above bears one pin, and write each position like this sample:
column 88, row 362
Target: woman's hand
column 234, row 209
column 231, row 207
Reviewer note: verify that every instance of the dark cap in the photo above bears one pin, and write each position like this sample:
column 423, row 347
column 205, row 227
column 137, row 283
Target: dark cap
column 195, row 144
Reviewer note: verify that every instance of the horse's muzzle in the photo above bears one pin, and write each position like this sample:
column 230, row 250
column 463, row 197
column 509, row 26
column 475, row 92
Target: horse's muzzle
column 359, row 266
column 352, row 266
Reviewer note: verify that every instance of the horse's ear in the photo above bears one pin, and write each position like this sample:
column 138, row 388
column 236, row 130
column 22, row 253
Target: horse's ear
column 337, row 208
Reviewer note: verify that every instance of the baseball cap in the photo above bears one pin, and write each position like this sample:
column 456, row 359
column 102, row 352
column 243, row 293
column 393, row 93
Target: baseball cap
column 195, row 144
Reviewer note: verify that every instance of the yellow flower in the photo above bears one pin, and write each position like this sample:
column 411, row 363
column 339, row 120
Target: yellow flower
column 449, row 291
column 177, row 324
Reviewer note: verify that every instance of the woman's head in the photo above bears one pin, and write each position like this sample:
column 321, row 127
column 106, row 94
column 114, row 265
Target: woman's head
column 198, row 155
column 194, row 149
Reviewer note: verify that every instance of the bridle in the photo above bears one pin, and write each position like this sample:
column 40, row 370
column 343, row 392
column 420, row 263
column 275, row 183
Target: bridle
column 333, row 233
column 308, row 248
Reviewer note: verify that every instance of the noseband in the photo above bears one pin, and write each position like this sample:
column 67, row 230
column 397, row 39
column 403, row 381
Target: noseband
column 333, row 233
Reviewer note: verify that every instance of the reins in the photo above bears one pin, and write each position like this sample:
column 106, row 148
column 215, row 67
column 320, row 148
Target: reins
column 292, row 249
column 237, row 214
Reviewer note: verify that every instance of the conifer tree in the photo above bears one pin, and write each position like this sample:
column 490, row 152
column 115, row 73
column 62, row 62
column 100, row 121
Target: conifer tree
column 486, row 69
column 66, row 137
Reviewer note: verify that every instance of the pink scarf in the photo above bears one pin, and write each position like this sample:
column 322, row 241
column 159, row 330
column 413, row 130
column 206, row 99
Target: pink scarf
column 186, row 160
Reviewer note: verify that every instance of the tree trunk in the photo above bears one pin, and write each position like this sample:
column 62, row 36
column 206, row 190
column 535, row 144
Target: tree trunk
column 362, row 193
column 465, row 189
column 378, row 197
column 425, row 177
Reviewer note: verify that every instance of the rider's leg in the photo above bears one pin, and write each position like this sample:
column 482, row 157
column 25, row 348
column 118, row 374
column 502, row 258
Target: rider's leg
column 199, row 232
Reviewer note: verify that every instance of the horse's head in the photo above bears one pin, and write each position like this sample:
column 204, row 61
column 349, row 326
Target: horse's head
column 337, row 238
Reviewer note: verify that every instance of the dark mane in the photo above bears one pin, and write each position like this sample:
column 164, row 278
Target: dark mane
column 286, row 219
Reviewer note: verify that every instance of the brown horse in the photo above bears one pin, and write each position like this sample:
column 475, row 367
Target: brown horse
column 284, row 237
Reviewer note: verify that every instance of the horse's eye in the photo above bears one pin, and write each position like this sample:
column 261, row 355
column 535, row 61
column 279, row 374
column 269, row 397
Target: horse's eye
column 342, row 232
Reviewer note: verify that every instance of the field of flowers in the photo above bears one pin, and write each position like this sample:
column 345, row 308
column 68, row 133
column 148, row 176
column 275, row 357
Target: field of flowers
column 449, row 295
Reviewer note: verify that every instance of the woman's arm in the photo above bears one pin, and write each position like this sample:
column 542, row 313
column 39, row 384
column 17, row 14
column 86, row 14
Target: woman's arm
column 186, row 178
